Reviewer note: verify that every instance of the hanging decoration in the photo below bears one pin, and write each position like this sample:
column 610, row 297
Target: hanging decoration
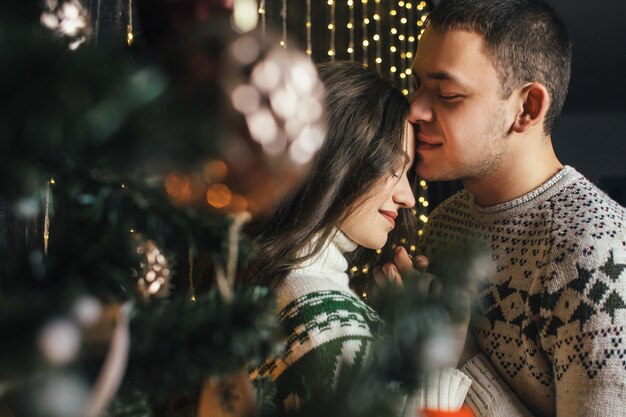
column 309, row 23
column 377, row 39
column 283, row 15
column 68, row 19
column 46, row 219
column 332, row 49
column 263, row 14
column 130, row 35
column 350, row 27
column 365, row 42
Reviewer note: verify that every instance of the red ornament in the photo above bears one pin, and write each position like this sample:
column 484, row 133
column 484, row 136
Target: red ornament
column 463, row 412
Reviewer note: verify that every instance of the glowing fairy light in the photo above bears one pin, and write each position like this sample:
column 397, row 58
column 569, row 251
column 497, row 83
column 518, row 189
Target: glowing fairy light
column 366, row 21
column 130, row 36
column 350, row 27
column 392, row 47
column 379, row 46
column 309, row 44
column 332, row 51
column 283, row 15
column 263, row 14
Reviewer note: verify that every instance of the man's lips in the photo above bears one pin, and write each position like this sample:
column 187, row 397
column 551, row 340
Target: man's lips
column 390, row 216
column 425, row 143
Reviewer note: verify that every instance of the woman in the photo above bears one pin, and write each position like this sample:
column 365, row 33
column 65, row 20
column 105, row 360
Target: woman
column 358, row 191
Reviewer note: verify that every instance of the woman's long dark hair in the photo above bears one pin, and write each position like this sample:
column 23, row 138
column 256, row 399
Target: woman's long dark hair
column 366, row 118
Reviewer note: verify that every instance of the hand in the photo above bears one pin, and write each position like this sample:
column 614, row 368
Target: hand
column 403, row 263
column 391, row 272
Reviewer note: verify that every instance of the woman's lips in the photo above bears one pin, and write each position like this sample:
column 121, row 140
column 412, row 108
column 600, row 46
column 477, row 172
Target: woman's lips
column 390, row 216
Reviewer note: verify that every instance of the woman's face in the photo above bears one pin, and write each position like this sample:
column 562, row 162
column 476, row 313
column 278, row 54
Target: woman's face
column 374, row 215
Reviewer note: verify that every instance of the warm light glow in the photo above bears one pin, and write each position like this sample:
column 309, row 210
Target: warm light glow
column 178, row 186
column 245, row 16
column 219, row 195
column 215, row 171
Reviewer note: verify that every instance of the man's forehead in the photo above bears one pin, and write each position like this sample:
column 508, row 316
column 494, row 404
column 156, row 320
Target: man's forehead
column 455, row 55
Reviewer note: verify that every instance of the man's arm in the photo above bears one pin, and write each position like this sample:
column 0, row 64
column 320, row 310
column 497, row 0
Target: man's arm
column 585, row 334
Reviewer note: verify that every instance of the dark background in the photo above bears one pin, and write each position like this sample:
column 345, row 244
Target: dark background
column 591, row 134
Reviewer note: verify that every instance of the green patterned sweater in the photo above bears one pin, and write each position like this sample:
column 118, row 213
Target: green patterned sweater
column 329, row 327
column 552, row 316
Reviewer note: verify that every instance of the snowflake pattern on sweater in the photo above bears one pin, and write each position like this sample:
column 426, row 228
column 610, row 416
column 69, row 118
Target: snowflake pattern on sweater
column 552, row 319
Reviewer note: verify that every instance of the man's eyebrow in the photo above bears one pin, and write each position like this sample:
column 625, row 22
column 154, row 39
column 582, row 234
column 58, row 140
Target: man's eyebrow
column 439, row 75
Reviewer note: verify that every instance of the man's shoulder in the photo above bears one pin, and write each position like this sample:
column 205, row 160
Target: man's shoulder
column 585, row 211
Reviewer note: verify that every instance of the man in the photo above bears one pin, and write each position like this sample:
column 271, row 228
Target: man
column 491, row 78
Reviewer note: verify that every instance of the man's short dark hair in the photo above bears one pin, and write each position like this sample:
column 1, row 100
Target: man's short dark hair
column 526, row 40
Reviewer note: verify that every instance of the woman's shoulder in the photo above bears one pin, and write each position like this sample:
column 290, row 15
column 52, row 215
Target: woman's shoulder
column 302, row 297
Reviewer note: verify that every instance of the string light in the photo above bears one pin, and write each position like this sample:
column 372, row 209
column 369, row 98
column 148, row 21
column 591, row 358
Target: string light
column 332, row 51
column 263, row 16
column 309, row 45
column 283, row 15
column 403, row 47
column 392, row 46
column 351, row 29
column 130, row 36
column 379, row 46
column 46, row 218
column 192, row 288
column 366, row 41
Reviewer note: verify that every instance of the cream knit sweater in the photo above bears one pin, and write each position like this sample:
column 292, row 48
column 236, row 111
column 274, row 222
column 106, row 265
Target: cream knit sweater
column 552, row 317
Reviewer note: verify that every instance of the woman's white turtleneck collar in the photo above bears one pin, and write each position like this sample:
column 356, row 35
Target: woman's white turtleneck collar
column 325, row 271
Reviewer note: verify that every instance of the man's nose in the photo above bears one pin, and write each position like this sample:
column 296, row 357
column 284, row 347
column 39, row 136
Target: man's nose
column 420, row 109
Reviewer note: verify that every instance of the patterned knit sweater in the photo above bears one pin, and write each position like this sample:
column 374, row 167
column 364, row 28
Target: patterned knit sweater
column 329, row 327
column 552, row 315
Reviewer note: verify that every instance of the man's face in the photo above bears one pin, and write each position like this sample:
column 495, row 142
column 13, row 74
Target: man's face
column 461, row 121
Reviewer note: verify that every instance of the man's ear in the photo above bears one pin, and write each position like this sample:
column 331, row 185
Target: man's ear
column 534, row 103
